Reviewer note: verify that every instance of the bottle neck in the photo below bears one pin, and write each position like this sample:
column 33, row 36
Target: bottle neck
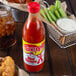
column 35, row 15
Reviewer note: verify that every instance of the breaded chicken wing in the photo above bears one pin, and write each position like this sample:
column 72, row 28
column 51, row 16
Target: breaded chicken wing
column 7, row 67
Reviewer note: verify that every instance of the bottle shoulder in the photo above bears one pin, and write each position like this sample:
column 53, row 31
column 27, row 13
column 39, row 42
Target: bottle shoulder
column 34, row 23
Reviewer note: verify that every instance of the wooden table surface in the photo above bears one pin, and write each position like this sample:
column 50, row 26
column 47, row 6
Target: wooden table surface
column 62, row 62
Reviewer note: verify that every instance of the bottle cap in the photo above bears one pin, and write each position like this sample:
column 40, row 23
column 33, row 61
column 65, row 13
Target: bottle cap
column 33, row 7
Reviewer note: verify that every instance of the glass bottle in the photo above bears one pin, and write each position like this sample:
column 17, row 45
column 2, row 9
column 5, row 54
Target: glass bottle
column 7, row 28
column 33, row 40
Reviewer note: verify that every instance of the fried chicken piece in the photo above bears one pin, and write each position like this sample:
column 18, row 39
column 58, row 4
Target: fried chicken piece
column 7, row 67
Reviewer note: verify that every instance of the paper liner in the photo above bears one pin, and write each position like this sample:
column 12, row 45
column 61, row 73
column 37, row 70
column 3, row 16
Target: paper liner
column 22, row 7
column 20, row 72
column 23, row 73
column 64, row 6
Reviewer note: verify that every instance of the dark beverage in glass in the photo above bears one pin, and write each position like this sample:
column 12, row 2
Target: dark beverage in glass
column 7, row 28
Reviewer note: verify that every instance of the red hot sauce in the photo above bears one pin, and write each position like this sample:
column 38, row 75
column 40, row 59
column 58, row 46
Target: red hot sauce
column 33, row 40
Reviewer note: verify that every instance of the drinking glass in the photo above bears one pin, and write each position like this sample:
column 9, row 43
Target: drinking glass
column 7, row 28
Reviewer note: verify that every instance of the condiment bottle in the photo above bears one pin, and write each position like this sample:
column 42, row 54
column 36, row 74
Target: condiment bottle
column 33, row 40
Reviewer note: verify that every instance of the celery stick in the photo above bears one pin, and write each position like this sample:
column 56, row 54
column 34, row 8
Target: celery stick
column 43, row 14
column 52, row 8
column 53, row 16
column 62, row 13
column 48, row 15
column 57, row 14
column 58, row 4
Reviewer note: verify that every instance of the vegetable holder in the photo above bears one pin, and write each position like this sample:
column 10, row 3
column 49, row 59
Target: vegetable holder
column 64, row 40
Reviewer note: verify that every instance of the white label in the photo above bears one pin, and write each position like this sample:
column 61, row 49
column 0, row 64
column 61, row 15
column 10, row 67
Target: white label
column 31, row 59
column 33, row 54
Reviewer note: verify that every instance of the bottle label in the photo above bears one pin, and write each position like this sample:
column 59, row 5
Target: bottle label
column 33, row 54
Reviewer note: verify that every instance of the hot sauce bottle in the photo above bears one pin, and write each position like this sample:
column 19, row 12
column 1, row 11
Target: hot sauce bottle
column 33, row 40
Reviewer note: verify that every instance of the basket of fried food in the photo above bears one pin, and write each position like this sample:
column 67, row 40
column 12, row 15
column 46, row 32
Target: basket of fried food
column 18, row 4
column 8, row 68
